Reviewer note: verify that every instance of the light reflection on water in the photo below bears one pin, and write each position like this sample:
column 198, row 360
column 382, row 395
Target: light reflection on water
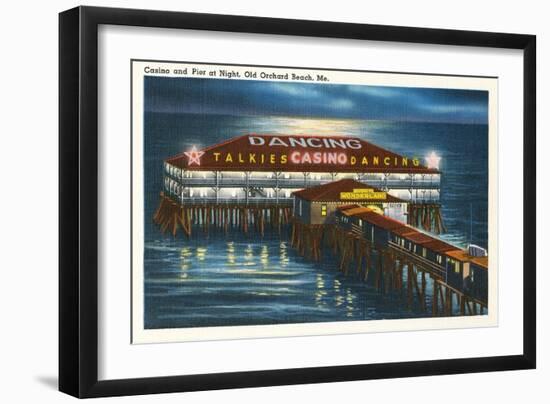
column 237, row 282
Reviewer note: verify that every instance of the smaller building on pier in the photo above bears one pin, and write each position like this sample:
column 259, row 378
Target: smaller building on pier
column 316, row 205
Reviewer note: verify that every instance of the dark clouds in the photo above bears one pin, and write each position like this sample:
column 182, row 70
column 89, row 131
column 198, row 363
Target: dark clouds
column 243, row 97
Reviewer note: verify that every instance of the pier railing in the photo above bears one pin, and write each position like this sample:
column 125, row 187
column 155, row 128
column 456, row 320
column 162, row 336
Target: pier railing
column 431, row 267
column 391, row 268
column 250, row 202
column 300, row 182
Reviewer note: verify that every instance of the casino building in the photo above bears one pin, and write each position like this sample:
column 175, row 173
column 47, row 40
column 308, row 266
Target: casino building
column 258, row 169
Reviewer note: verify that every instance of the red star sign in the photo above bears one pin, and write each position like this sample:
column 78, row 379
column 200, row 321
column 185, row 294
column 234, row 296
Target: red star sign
column 433, row 161
column 194, row 156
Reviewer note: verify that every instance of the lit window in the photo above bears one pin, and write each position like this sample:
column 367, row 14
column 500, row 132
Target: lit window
column 457, row 267
column 323, row 210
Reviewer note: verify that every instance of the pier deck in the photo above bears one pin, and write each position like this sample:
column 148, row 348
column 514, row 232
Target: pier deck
column 396, row 257
column 397, row 267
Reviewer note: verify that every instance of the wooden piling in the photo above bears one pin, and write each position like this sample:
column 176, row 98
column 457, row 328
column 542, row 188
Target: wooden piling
column 409, row 286
column 435, row 304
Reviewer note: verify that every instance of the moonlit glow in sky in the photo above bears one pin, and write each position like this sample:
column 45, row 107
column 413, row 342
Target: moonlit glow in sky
column 336, row 101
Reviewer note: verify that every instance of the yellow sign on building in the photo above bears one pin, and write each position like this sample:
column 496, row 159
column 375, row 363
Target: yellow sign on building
column 363, row 194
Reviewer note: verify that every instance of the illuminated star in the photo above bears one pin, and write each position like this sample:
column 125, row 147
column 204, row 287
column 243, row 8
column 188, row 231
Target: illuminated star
column 433, row 160
column 194, row 156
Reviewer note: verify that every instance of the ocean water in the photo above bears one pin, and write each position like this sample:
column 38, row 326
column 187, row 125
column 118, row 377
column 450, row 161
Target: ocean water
column 215, row 280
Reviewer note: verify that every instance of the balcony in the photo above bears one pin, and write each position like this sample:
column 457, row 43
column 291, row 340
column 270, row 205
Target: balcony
column 299, row 183
column 252, row 201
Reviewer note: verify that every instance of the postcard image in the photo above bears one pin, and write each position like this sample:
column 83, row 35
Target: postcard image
column 271, row 201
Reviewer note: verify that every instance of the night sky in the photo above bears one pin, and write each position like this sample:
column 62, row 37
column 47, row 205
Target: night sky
column 251, row 97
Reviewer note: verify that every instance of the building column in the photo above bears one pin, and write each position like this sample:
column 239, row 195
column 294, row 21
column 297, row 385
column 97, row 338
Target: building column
column 431, row 187
column 411, row 186
column 277, row 187
column 247, row 188
column 217, row 189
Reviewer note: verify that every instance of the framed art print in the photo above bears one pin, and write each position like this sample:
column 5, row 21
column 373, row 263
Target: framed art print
column 236, row 188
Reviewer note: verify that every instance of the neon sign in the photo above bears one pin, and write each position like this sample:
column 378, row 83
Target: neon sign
column 309, row 142
column 194, row 156
column 363, row 194
column 318, row 158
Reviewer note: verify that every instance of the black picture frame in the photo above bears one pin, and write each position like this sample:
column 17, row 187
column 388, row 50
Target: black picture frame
column 78, row 201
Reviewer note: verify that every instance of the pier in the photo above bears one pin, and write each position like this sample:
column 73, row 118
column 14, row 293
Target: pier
column 172, row 216
column 368, row 207
column 396, row 268
column 379, row 239
column 426, row 216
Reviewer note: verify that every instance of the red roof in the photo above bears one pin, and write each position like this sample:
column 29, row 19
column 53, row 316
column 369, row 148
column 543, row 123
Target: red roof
column 439, row 246
column 298, row 153
column 355, row 211
column 379, row 220
column 331, row 192
column 346, row 207
column 481, row 261
column 419, row 238
column 462, row 255
column 436, row 245
column 405, row 231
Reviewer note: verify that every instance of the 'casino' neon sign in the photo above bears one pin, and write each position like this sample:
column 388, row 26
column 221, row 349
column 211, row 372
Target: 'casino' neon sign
column 297, row 157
